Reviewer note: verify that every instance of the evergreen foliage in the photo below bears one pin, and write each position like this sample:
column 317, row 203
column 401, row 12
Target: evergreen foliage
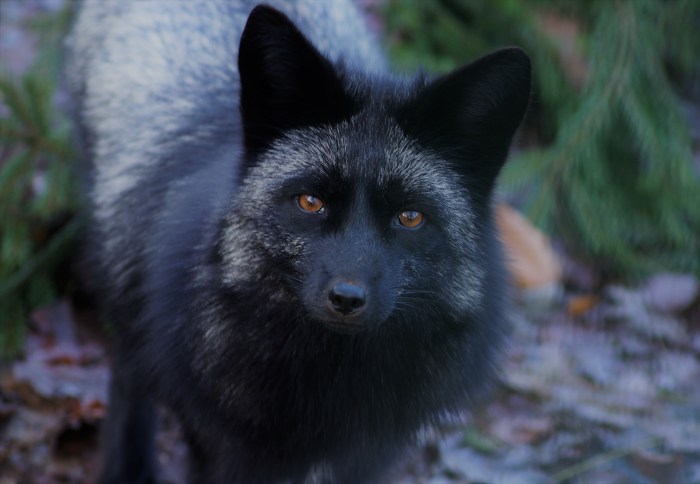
column 612, row 170
column 37, row 186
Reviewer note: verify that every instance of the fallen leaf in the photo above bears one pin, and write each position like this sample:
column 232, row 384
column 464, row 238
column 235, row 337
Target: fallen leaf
column 61, row 360
column 658, row 466
column 579, row 305
column 469, row 463
column 671, row 293
column 531, row 259
column 596, row 358
column 628, row 306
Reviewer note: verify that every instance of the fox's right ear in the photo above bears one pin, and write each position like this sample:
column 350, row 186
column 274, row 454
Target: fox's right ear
column 285, row 82
column 471, row 114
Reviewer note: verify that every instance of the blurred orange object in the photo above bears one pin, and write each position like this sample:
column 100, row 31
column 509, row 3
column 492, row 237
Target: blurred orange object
column 530, row 257
column 579, row 305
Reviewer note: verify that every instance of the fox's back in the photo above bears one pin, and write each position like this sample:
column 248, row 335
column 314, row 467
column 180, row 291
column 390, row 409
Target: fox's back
column 156, row 74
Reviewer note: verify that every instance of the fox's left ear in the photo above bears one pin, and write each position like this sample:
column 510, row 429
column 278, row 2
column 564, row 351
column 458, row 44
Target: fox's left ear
column 471, row 114
column 286, row 82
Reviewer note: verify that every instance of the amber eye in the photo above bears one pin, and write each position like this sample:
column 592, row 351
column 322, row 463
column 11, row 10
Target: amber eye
column 310, row 203
column 410, row 219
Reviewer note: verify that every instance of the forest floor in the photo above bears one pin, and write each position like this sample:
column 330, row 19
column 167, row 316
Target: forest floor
column 595, row 388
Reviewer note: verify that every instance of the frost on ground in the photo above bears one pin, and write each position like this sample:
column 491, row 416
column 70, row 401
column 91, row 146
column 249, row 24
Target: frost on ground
column 604, row 392
column 610, row 395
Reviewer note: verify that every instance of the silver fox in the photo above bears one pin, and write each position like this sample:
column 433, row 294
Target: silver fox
column 296, row 246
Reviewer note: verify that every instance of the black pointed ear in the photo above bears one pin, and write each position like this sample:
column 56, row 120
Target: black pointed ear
column 285, row 82
column 470, row 115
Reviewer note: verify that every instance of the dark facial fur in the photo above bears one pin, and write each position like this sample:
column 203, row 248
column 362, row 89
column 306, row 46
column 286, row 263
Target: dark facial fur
column 298, row 345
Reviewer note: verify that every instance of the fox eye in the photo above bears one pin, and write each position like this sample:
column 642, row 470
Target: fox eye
column 310, row 203
column 410, row 219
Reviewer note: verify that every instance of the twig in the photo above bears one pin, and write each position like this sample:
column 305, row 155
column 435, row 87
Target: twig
column 57, row 244
column 600, row 459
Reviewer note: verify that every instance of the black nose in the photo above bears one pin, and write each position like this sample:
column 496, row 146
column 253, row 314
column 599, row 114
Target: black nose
column 346, row 298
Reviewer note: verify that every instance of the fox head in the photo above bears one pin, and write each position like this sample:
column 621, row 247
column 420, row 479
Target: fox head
column 368, row 195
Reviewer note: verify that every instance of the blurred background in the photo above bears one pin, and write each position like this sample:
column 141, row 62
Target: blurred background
column 599, row 209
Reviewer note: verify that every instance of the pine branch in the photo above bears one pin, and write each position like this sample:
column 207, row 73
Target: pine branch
column 616, row 182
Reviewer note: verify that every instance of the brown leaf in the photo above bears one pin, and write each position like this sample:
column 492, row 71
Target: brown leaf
column 57, row 366
column 579, row 305
column 671, row 293
column 61, row 359
column 531, row 259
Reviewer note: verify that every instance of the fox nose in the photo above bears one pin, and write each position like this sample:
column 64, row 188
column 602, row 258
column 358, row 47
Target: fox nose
column 347, row 298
